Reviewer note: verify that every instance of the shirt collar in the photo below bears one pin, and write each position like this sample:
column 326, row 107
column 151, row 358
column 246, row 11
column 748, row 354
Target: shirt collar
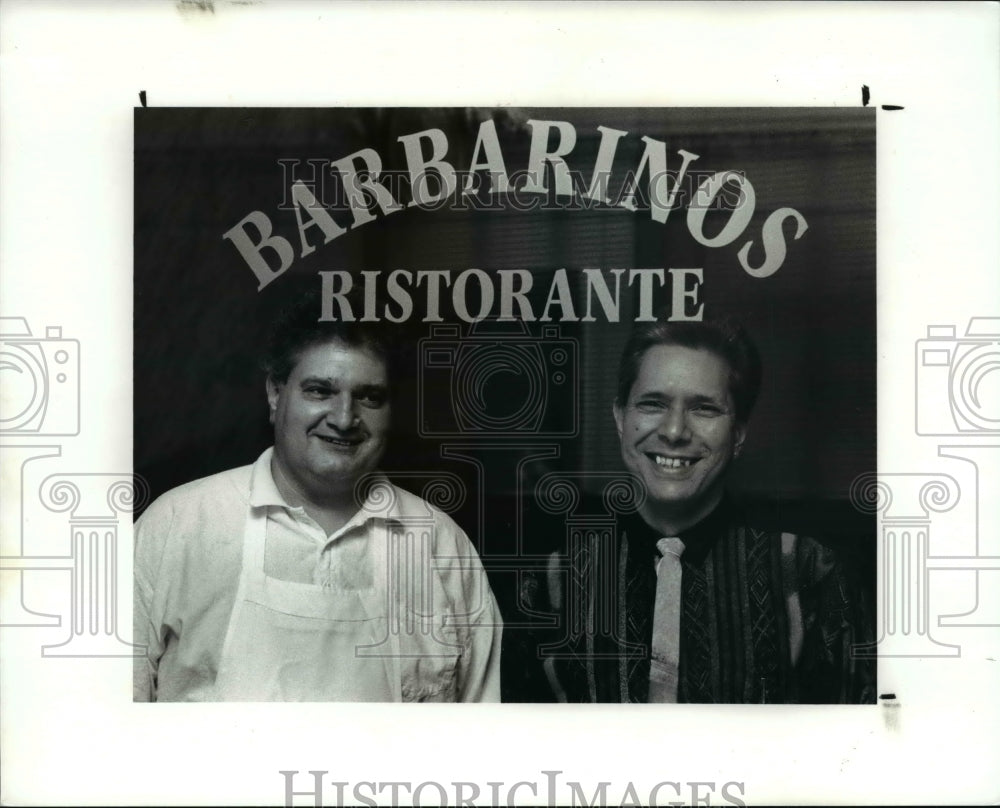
column 379, row 502
column 263, row 489
column 698, row 539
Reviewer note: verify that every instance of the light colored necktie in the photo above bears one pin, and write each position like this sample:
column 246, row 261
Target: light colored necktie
column 666, row 623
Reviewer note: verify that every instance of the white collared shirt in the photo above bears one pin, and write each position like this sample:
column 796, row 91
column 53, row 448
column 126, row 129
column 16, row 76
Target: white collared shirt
column 188, row 558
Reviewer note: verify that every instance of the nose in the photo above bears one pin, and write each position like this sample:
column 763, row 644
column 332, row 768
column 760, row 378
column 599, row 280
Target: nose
column 341, row 414
column 673, row 426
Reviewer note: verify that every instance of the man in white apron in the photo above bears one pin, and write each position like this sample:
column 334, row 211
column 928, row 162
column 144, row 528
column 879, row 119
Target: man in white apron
column 307, row 576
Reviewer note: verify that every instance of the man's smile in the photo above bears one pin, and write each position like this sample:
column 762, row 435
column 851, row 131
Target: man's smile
column 341, row 441
column 672, row 461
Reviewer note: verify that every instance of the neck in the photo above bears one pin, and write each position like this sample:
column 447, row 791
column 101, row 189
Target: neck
column 672, row 520
column 332, row 508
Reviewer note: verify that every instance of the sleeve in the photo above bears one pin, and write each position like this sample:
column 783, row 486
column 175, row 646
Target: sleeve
column 557, row 604
column 838, row 620
column 479, row 666
column 151, row 530
column 474, row 615
column 528, row 675
column 523, row 675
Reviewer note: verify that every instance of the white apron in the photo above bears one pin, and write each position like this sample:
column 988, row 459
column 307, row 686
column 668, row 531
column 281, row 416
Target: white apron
column 289, row 641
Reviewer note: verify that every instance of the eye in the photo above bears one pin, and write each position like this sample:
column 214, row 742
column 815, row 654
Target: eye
column 649, row 405
column 709, row 410
column 372, row 398
column 316, row 391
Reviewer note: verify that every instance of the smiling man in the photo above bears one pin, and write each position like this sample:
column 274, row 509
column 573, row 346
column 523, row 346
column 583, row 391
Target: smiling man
column 690, row 602
column 680, row 429
column 308, row 576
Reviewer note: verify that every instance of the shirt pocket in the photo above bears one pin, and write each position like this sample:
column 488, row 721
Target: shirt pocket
column 430, row 654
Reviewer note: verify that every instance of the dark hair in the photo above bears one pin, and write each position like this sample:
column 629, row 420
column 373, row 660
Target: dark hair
column 725, row 338
column 298, row 327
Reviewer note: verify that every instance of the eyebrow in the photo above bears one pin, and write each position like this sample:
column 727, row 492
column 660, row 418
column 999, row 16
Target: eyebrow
column 316, row 380
column 329, row 382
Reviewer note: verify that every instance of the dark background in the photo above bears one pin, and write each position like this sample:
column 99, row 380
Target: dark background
column 200, row 321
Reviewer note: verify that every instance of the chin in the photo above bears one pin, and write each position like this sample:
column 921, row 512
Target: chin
column 685, row 498
column 672, row 499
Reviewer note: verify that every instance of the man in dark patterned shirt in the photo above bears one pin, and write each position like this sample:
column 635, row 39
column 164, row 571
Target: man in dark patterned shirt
column 703, row 606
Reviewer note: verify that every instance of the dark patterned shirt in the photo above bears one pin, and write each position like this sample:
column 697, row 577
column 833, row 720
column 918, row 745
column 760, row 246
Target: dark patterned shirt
column 767, row 617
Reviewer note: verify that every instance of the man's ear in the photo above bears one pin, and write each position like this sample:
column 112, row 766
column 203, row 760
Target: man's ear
column 619, row 418
column 272, row 396
column 741, row 436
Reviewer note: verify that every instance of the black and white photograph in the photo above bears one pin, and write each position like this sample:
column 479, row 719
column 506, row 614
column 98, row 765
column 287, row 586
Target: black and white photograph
column 586, row 305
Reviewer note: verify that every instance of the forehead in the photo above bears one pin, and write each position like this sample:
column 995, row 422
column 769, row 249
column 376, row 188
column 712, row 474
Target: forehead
column 336, row 359
column 677, row 370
